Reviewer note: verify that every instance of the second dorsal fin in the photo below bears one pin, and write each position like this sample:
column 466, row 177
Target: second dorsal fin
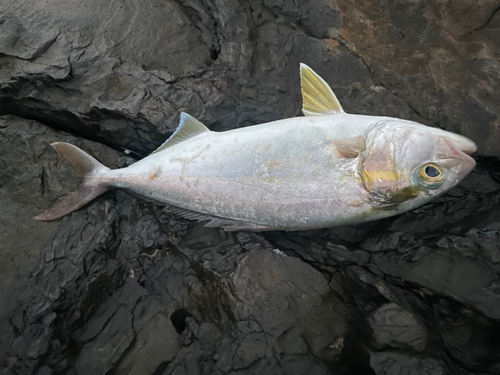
column 188, row 128
column 317, row 97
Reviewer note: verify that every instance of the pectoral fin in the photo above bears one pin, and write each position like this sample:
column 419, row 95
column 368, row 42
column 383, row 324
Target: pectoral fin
column 317, row 97
column 349, row 147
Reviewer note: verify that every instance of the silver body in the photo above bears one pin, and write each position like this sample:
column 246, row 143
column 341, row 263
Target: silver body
column 281, row 175
column 325, row 169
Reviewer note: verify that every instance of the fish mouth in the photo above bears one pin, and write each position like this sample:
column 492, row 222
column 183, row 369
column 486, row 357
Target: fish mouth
column 458, row 152
column 461, row 143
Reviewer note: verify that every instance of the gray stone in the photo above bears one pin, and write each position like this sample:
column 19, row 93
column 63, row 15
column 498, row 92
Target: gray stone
column 122, row 287
column 392, row 326
column 387, row 363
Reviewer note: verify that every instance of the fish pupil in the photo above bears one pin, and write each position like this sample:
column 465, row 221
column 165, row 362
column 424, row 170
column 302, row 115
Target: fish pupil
column 432, row 171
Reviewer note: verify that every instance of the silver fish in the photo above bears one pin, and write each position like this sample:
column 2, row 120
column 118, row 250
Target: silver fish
column 326, row 169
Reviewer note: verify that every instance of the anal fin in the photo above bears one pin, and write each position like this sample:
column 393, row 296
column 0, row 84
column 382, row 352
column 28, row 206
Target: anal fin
column 229, row 225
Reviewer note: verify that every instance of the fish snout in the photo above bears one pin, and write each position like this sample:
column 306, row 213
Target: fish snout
column 463, row 144
column 456, row 154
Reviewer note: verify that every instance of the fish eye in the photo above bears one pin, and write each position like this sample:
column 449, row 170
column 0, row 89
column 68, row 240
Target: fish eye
column 432, row 172
column 431, row 175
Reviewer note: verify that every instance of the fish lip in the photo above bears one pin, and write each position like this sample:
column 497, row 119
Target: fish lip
column 461, row 143
column 461, row 148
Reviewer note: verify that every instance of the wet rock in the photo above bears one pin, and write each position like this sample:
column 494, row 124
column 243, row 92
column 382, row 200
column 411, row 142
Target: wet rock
column 400, row 364
column 448, row 273
column 302, row 302
column 122, row 287
column 443, row 69
column 468, row 336
column 392, row 326
column 116, row 333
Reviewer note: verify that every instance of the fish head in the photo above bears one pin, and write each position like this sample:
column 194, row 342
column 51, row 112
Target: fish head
column 406, row 164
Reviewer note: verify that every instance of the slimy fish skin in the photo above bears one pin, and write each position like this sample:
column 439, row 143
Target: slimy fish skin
column 325, row 169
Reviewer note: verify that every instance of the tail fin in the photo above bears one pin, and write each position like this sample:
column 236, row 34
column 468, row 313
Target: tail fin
column 85, row 167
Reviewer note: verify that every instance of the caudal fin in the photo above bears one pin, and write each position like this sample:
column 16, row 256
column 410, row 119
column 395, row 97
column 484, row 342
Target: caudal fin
column 86, row 167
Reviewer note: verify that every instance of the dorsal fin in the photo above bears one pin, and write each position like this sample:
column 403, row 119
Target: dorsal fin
column 188, row 128
column 317, row 97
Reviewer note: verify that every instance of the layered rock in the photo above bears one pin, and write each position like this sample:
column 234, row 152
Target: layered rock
column 123, row 288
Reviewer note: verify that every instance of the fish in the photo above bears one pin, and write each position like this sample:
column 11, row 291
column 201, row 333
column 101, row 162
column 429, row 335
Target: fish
column 327, row 168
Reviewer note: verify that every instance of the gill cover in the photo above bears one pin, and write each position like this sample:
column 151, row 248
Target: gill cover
column 378, row 167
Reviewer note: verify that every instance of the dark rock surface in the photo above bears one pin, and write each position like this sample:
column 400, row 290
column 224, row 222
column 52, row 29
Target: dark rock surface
column 395, row 327
column 122, row 288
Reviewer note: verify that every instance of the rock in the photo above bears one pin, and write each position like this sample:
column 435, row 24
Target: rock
column 468, row 336
column 277, row 300
column 435, row 72
column 122, row 287
column 448, row 273
column 392, row 326
column 400, row 364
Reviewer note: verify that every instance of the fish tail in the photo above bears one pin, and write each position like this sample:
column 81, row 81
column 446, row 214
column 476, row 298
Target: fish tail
column 86, row 168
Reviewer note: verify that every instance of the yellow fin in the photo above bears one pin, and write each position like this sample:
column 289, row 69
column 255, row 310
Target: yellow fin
column 317, row 97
